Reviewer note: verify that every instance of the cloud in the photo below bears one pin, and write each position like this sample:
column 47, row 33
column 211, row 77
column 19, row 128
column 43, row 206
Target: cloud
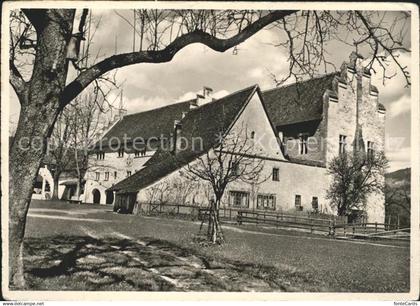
column 399, row 158
column 390, row 90
column 401, row 106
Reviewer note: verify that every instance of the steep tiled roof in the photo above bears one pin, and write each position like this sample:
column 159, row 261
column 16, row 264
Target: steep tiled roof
column 298, row 102
column 206, row 122
column 153, row 123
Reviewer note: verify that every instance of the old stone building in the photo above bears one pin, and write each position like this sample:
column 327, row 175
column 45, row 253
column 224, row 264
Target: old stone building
column 297, row 129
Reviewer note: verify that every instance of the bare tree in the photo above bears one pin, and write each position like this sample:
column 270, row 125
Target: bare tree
column 232, row 159
column 158, row 193
column 398, row 202
column 382, row 35
column 88, row 119
column 43, row 90
column 59, row 150
column 355, row 176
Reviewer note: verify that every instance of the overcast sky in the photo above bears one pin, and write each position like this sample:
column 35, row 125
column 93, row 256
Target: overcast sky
column 147, row 86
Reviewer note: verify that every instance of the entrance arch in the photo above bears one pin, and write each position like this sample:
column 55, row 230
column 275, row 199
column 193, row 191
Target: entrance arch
column 96, row 196
column 109, row 197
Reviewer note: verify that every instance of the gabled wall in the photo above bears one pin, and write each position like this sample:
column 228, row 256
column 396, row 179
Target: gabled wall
column 294, row 179
column 110, row 163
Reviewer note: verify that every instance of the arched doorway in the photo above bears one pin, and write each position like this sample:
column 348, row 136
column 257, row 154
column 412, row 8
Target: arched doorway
column 109, row 197
column 96, row 196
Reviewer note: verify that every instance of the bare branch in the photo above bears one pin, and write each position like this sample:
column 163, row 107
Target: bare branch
column 18, row 83
column 166, row 54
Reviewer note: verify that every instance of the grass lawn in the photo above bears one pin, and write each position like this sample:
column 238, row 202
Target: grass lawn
column 86, row 247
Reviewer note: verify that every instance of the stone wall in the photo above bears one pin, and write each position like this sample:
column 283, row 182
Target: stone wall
column 356, row 105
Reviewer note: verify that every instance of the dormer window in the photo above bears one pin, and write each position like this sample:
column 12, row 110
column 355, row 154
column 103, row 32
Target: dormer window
column 253, row 135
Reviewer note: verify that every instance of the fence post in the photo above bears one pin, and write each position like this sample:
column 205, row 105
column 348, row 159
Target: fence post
column 376, row 227
column 312, row 229
column 257, row 220
column 344, row 230
column 177, row 212
column 277, row 220
column 230, row 213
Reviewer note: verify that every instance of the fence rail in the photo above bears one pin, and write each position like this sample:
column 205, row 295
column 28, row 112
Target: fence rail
column 286, row 220
column 332, row 225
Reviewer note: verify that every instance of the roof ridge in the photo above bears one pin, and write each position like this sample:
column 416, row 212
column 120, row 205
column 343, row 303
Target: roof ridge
column 159, row 108
column 315, row 78
column 231, row 94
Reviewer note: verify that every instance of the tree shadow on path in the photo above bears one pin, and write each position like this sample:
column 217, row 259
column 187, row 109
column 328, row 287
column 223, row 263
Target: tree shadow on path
column 89, row 264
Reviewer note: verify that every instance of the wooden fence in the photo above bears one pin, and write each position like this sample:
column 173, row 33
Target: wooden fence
column 287, row 220
column 331, row 225
column 354, row 230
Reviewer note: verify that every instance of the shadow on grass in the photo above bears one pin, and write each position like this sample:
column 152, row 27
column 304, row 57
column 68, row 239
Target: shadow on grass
column 86, row 263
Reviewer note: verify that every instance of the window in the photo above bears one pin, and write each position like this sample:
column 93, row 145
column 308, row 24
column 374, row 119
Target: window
column 106, row 176
column 298, row 202
column 121, row 152
column 275, row 174
column 266, row 201
column 100, row 155
column 128, row 173
column 239, row 199
column 315, row 203
column 303, row 144
column 370, row 149
column 139, row 153
column 115, row 175
column 234, row 166
column 97, row 176
column 342, row 144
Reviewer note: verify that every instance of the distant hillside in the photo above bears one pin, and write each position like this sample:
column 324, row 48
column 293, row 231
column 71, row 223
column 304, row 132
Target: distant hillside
column 397, row 197
column 400, row 177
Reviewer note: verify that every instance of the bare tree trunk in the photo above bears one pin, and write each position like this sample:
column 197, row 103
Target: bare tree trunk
column 24, row 167
column 40, row 106
column 214, row 231
column 56, row 177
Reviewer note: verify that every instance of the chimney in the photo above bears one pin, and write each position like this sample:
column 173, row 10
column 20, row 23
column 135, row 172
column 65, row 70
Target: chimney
column 206, row 97
column 177, row 136
column 193, row 103
column 208, row 93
